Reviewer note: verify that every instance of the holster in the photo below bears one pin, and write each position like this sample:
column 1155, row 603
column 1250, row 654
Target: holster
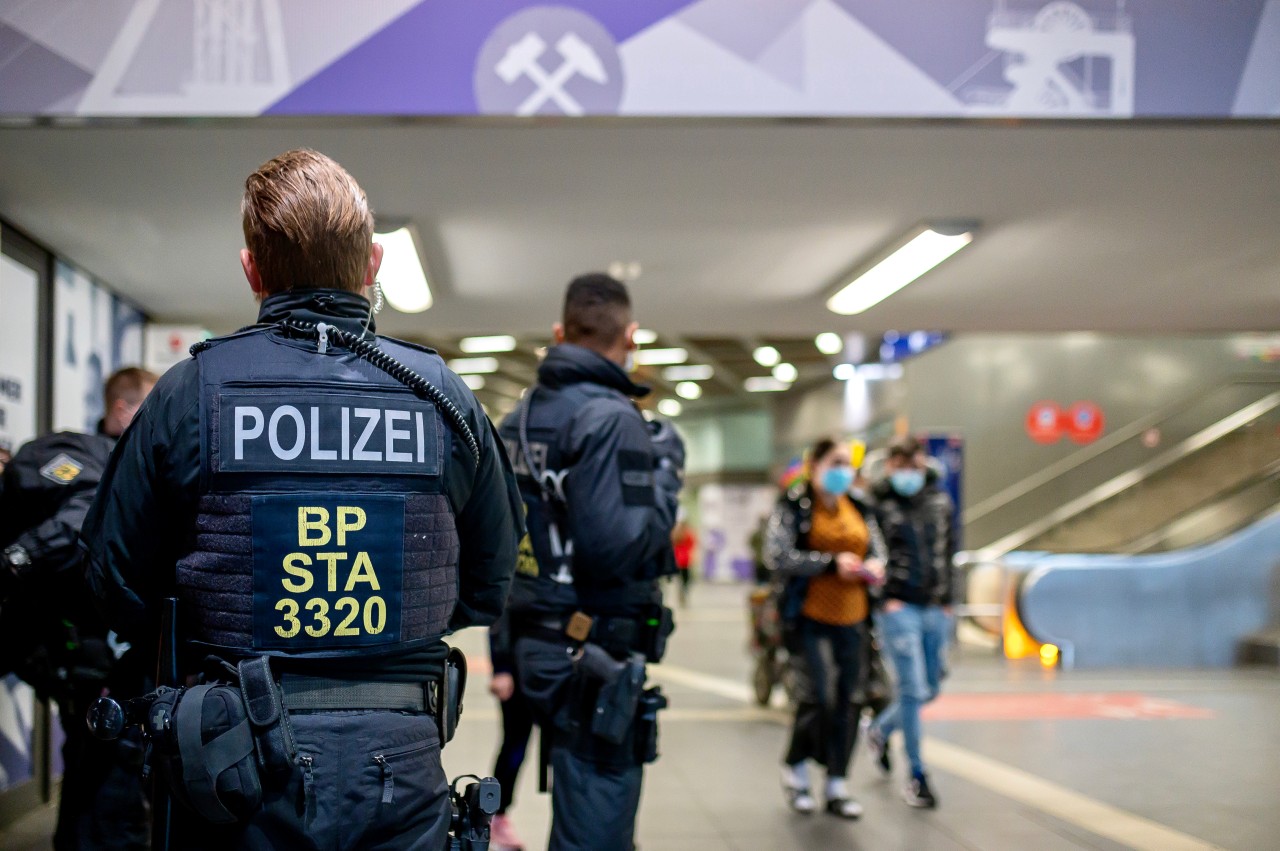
column 264, row 705
column 447, row 701
column 617, row 700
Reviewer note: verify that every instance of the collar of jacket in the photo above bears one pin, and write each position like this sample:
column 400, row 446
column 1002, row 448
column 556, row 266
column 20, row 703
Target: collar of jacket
column 340, row 308
column 572, row 364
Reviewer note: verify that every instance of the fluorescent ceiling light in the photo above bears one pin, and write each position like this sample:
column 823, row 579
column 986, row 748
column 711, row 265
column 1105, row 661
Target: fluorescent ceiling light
column 767, row 356
column 689, row 372
column 484, row 345
column 659, row 357
column 670, row 408
column 689, row 390
column 475, row 382
column 786, row 372
column 920, row 254
column 868, row 371
column 764, row 384
column 829, row 343
column 473, row 366
column 844, row 371
column 403, row 280
column 644, row 337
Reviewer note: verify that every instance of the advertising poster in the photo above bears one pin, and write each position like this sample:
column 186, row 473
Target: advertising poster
column 19, row 290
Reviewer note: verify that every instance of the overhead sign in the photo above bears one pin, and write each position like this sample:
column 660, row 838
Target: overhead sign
column 908, row 58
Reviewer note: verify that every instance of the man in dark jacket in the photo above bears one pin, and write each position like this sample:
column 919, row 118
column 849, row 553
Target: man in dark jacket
column 915, row 516
column 599, row 486
column 50, row 633
column 325, row 498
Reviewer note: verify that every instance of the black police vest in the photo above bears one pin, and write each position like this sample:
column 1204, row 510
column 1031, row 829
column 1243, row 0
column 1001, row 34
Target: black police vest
column 323, row 526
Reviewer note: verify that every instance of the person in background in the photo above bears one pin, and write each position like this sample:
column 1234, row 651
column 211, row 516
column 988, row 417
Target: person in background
column 683, row 542
column 827, row 548
column 915, row 621
column 50, row 633
column 517, row 727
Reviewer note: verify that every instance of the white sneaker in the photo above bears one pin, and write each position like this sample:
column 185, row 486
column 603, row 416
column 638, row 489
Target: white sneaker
column 795, row 785
column 840, row 802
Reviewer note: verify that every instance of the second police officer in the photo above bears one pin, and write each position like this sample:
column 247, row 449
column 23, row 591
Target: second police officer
column 600, row 487
column 323, row 498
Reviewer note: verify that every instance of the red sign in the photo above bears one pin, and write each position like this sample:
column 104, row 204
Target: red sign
column 1044, row 422
column 1083, row 422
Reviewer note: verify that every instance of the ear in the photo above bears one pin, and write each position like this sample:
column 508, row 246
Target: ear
column 250, row 267
column 557, row 333
column 375, row 263
column 631, row 336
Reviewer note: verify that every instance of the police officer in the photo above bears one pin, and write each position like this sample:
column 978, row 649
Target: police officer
column 50, row 633
column 599, row 485
column 322, row 497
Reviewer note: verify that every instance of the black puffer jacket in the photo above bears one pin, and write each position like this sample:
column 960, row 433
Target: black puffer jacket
column 920, row 534
column 786, row 546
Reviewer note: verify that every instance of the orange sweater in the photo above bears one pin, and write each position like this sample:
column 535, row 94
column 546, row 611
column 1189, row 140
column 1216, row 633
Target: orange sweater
column 832, row 600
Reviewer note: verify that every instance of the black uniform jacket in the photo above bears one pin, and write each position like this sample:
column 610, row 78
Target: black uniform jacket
column 144, row 518
column 621, row 502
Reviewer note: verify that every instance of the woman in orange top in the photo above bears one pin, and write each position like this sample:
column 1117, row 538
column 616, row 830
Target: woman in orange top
column 827, row 549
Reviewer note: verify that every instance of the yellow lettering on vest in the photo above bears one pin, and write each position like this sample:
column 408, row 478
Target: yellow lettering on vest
column 307, row 525
column 345, row 525
column 291, row 567
column 332, row 560
column 362, row 571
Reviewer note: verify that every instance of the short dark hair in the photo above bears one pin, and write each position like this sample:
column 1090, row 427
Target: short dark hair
column 130, row 383
column 596, row 310
column 905, row 447
column 821, row 449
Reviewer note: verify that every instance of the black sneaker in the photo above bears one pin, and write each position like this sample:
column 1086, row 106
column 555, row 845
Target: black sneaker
column 918, row 793
column 878, row 744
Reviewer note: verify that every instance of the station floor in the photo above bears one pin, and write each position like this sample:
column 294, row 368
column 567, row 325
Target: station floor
column 1021, row 758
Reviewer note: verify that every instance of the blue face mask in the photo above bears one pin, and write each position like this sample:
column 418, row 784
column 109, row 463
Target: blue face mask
column 837, row 480
column 907, row 483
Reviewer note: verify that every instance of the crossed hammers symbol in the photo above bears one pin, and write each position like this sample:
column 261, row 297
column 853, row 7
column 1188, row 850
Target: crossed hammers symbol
column 521, row 60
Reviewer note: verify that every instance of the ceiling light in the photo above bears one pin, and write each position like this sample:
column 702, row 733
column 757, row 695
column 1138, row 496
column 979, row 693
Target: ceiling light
column 670, row 408
column 844, row 371
column 829, row 343
column 921, row 253
column 786, row 372
column 767, row 356
column 689, row 372
column 475, row 382
column 689, row 390
column 660, row 357
column 483, row 345
column 403, row 280
column 624, row 270
column 764, row 384
column 473, row 366
column 644, row 337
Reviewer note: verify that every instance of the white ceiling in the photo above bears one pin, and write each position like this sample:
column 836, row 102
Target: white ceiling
column 742, row 228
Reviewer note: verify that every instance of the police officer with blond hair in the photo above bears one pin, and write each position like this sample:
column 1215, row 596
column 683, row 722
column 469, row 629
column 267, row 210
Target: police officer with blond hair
column 326, row 505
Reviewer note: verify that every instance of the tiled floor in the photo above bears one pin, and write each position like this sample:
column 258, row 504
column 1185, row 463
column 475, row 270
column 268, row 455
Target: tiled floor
column 1022, row 758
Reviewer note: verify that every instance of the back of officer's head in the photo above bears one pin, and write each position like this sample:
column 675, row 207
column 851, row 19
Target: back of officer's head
column 307, row 224
column 597, row 315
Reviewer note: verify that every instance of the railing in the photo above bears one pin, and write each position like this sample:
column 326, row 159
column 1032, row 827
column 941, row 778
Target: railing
column 1118, row 460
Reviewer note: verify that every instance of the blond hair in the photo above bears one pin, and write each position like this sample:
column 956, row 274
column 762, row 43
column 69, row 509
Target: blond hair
column 307, row 224
column 132, row 383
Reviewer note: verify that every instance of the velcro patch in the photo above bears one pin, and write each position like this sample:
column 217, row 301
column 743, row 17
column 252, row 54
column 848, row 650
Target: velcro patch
column 328, row 571
column 635, row 470
column 62, row 470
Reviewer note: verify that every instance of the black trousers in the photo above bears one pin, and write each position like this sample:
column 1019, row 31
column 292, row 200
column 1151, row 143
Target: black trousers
column 345, row 798
column 517, row 727
column 595, row 790
column 828, row 659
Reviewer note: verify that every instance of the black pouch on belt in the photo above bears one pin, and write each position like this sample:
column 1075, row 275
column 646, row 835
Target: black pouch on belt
column 651, row 702
column 448, row 696
column 264, row 704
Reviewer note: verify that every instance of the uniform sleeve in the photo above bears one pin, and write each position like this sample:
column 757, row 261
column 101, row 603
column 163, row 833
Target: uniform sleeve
column 52, row 543
column 501, row 655
column 132, row 535
column 782, row 556
column 489, row 529
column 621, row 507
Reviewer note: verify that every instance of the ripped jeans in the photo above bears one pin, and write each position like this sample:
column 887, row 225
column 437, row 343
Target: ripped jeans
column 915, row 639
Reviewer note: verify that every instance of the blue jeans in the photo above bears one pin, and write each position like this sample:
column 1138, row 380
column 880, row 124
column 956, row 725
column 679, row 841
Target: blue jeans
column 915, row 637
